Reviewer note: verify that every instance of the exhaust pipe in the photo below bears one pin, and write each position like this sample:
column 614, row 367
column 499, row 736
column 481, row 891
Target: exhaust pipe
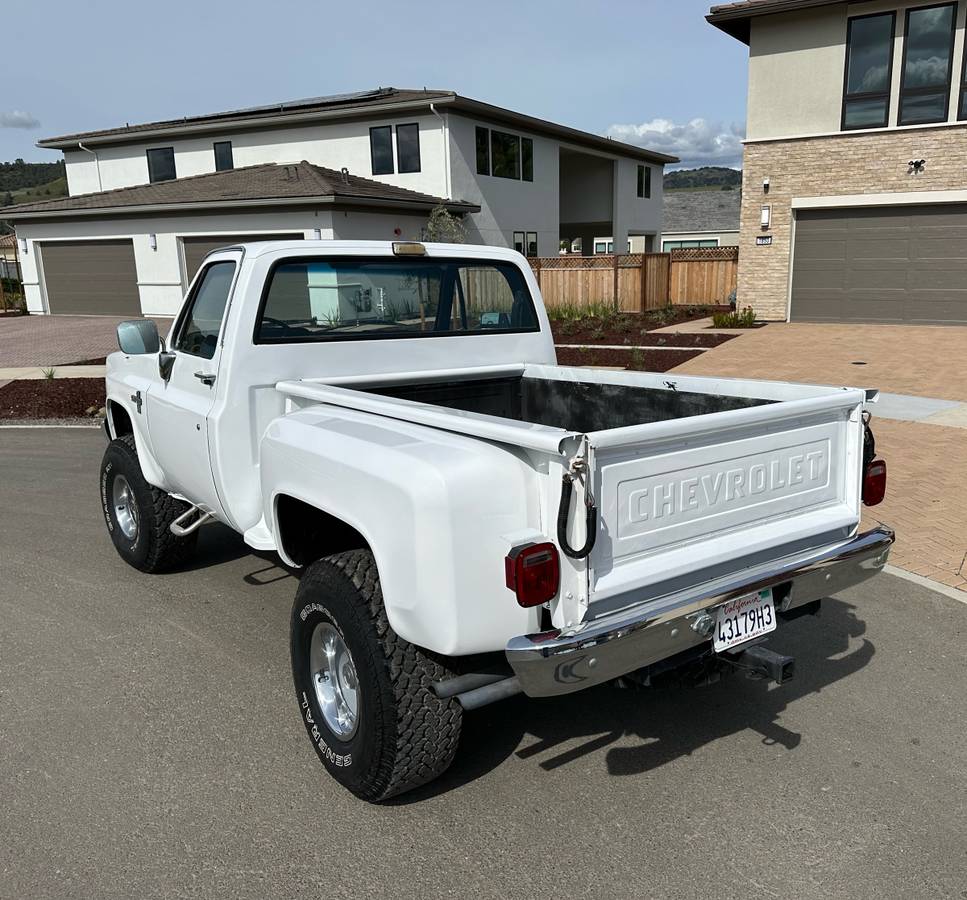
column 760, row 662
column 477, row 689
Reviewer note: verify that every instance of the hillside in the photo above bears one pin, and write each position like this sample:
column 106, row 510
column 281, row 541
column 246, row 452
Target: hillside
column 16, row 175
column 707, row 178
column 48, row 191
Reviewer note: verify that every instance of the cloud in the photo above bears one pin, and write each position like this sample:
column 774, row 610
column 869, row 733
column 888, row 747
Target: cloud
column 17, row 118
column 697, row 143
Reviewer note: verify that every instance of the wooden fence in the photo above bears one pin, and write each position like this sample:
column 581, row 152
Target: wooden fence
column 639, row 281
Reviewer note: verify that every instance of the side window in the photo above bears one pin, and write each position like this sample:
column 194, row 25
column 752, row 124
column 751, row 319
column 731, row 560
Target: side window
column 198, row 333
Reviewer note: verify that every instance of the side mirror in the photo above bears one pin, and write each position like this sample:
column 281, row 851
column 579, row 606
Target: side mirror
column 138, row 336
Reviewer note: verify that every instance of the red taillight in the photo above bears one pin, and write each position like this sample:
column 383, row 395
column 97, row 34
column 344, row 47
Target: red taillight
column 874, row 483
column 533, row 573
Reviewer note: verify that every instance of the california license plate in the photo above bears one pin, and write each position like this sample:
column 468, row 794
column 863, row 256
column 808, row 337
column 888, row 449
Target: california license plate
column 744, row 619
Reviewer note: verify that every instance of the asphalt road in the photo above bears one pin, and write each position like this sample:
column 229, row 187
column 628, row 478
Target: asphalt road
column 150, row 746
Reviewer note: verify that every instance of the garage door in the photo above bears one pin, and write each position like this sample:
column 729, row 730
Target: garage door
column 91, row 277
column 885, row 264
column 197, row 248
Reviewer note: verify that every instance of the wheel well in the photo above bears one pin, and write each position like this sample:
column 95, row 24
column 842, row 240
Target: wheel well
column 307, row 533
column 120, row 419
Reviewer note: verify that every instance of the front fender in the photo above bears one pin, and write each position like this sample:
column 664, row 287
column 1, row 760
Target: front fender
column 434, row 507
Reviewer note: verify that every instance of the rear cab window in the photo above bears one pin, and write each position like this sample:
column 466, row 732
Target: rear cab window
column 358, row 298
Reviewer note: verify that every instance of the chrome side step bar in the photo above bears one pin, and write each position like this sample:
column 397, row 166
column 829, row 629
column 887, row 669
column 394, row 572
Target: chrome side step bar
column 179, row 529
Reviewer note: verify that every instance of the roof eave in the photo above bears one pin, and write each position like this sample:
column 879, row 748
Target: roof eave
column 737, row 23
column 573, row 135
column 99, row 138
column 346, row 201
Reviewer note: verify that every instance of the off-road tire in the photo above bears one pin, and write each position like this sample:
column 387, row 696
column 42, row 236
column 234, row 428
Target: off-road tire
column 406, row 736
column 154, row 548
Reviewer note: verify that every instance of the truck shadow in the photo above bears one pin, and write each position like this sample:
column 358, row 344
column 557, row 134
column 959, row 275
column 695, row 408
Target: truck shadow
column 664, row 724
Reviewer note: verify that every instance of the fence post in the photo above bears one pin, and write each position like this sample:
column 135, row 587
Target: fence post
column 644, row 283
column 537, row 272
column 617, row 302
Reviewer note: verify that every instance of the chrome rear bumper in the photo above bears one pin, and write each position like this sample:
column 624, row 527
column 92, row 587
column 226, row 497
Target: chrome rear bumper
column 560, row 662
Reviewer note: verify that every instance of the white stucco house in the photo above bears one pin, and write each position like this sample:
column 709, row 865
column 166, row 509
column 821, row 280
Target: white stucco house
column 148, row 201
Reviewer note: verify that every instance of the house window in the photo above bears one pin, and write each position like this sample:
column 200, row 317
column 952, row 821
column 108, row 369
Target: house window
column 408, row 148
column 519, row 241
column 504, row 155
column 505, row 150
column 532, row 243
column 527, row 159
column 603, row 246
column 666, row 246
column 928, row 51
column 381, row 149
column 962, row 110
column 644, row 182
column 483, row 151
column 161, row 164
column 223, row 156
column 869, row 67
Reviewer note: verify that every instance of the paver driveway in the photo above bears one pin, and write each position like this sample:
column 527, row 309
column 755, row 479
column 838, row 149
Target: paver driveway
column 927, row 494
column 58, row 340
column 926, row 361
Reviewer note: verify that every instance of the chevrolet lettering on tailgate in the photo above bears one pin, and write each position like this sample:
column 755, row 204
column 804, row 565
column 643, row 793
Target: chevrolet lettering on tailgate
column 669, row 497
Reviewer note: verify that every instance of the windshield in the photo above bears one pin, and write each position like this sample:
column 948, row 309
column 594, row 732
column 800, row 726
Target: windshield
column 309, row 300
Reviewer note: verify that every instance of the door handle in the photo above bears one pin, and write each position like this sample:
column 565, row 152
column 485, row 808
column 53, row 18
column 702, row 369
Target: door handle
column 205, row 378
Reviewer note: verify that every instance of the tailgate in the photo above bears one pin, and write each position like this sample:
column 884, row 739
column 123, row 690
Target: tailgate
column 687, row 500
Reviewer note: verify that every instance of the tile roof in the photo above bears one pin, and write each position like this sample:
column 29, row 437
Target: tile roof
column 734, row 18
column 8, row 240
column 690, row 211
column 262, row 183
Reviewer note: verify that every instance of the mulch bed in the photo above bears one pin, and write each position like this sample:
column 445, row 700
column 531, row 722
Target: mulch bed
column 639, row 361
column 586, row 337
column 51, row 398
column 635, row 328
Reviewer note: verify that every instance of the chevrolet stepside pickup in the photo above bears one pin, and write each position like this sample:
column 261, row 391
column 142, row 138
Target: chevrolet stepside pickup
column 472, row 520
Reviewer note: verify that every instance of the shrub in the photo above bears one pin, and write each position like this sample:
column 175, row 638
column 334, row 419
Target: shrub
column 744, row 319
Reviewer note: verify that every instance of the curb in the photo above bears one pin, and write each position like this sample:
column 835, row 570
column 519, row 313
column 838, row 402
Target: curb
column 936, row 586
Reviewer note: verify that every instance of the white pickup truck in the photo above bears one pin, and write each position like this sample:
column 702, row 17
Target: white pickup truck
column 473, row 520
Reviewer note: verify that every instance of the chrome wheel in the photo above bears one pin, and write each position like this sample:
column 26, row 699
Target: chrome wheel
column 333, row 676
column 125, row 507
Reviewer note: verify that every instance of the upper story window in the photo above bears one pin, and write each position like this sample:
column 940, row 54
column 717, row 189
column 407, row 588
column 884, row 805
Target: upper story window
column 869, row 68
column 644, row 182
column 408, row 147
column 962, row 108
column 927, row 64
column 161, row 164
column 504, row 155
column 381, row 149
column 223, row 156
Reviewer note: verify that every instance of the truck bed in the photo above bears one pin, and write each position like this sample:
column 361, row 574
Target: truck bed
column 570, row 405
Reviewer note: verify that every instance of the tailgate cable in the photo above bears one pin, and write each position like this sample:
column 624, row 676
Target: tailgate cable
column 578, row 471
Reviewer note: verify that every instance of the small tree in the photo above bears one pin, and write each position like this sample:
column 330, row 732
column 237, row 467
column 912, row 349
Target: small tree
column 444, row 228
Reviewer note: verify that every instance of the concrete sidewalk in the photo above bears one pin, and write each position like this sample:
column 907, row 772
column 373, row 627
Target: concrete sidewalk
column 34, row 373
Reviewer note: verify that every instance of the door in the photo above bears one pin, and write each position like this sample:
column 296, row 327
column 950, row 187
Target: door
column 178, row 409
column 91, row 278
column 197, row 248
column 881, row 264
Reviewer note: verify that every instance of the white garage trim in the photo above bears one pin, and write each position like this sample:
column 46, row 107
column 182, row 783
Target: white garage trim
column 905, row 198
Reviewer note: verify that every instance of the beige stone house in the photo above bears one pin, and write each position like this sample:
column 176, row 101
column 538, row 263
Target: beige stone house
column 855, row 177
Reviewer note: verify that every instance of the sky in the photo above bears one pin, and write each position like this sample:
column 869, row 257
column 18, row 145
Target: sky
column 650, row 72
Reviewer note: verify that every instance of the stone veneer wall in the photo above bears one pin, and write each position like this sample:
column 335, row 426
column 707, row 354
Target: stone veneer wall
column 827, row 166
